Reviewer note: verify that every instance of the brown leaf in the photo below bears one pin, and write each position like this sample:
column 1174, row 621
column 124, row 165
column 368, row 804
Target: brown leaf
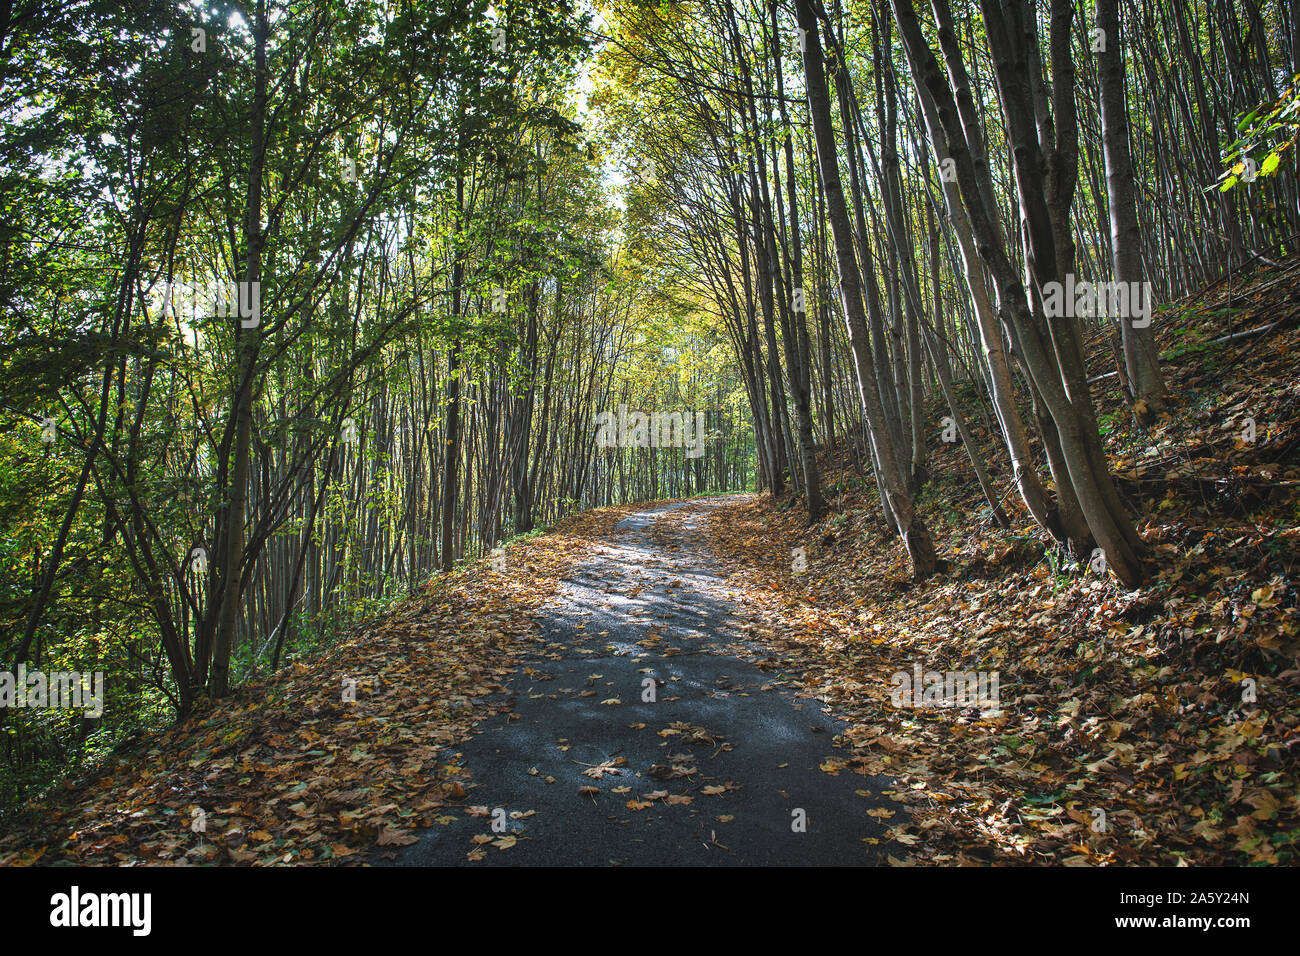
column 390, row 837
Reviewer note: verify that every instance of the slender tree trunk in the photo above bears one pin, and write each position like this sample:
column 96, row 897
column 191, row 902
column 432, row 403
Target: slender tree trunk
column 248, row 338
column 1140, row 355
column 451, row 444
column 798, row 353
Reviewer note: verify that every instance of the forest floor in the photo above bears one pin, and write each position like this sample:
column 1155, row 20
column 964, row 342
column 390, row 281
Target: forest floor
column 499, row 714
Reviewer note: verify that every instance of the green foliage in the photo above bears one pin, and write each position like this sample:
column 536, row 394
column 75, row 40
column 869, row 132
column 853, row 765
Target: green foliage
column 1266, row 140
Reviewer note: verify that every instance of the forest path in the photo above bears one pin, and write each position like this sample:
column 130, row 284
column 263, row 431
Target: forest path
column 712, row 772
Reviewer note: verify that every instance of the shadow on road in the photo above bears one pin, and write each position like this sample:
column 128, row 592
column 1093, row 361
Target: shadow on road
column 718, row 765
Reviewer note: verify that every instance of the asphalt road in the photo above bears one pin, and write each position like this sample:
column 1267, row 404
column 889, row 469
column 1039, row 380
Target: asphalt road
column 721, row 767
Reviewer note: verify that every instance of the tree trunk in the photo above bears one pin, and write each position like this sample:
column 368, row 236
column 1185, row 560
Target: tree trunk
column 915, row 535
column 1141, row 359
column 248, row 338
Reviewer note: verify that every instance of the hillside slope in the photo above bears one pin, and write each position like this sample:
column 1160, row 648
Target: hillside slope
column 1151, row 726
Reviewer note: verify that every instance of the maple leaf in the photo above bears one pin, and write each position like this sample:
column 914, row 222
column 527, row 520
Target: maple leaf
column 610, row 766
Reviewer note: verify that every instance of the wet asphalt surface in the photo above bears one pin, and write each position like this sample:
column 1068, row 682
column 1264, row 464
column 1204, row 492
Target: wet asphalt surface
column 721, row 766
